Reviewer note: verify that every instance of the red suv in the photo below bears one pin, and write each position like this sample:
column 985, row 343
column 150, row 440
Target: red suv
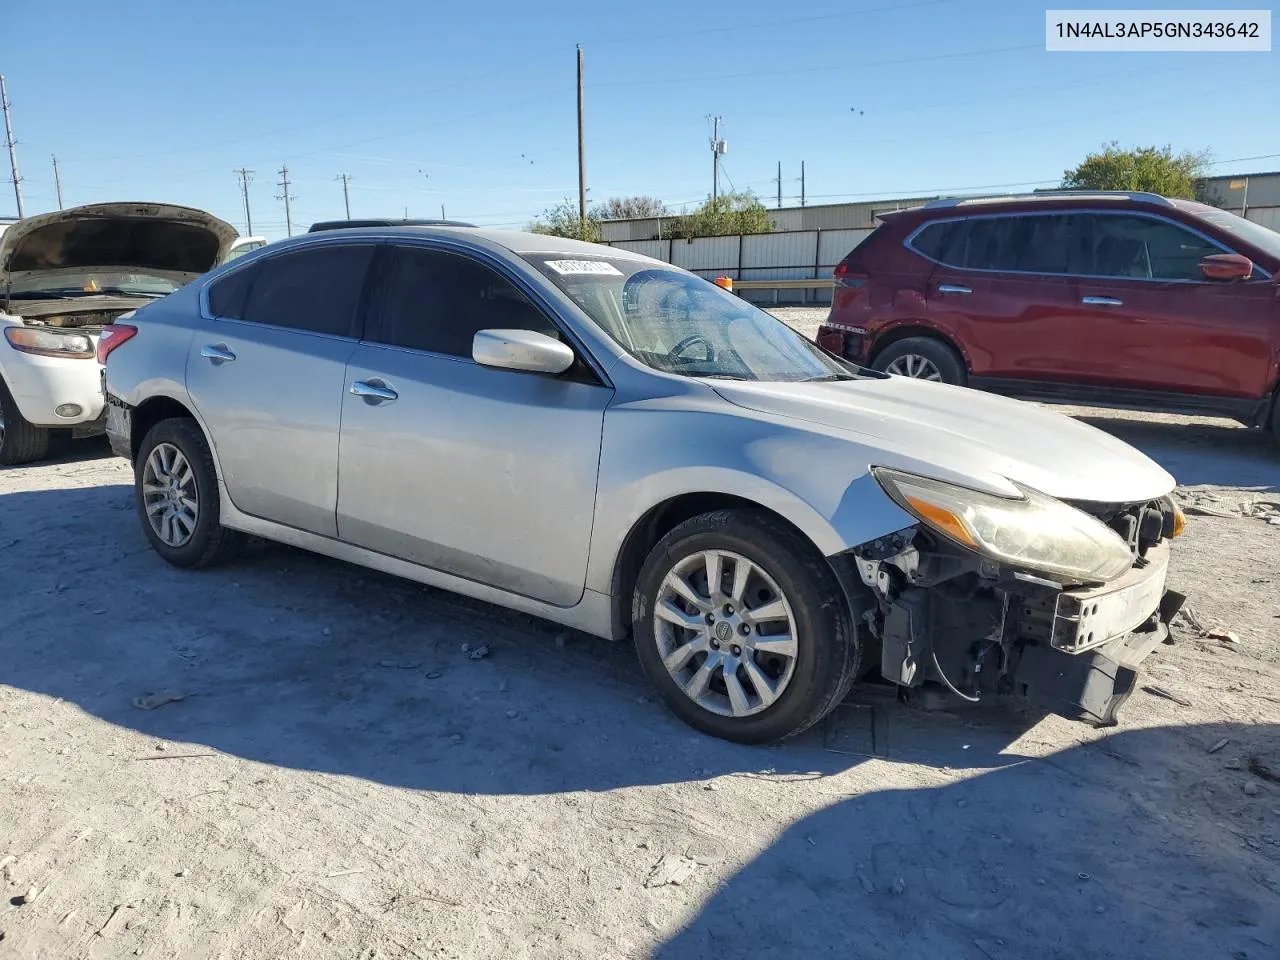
column 1127, row 299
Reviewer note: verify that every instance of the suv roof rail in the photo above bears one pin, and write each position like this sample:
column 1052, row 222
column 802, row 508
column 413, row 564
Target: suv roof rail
column 1052, row 195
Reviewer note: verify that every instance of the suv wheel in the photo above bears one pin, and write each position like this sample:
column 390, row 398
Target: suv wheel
column 176, row 491
column 20, row 441
column 741, row 626
column 923, row 358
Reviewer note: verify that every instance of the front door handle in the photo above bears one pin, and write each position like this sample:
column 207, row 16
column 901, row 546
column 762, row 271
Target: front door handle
column 952, row 288
column 1102, row 301
column 217, row 353
column 373, row 392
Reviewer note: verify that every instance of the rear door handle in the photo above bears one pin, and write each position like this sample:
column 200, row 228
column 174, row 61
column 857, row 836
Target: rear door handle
column 373, row 392
column 952, row 288
column 217, row 353
column 1102, row 301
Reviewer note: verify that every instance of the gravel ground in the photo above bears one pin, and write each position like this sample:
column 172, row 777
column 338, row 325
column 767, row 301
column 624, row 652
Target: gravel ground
column 348, row 776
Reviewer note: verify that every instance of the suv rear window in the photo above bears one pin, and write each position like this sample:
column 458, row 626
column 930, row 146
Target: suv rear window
column 1025, row 243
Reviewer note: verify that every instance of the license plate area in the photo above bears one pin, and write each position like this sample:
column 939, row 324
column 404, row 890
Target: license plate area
column 1088, row 618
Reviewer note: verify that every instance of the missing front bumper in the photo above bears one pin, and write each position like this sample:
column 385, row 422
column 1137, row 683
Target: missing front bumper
column 1093, row 685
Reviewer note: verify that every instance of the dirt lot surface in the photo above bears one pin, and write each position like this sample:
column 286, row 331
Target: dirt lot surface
column 361, row 767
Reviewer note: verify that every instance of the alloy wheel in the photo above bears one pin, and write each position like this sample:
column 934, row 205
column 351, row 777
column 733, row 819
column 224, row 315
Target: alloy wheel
column 169, row 495
column 914, row 365
column 726, row 633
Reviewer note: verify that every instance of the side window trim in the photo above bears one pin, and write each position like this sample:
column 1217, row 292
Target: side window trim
column 1080, row 211
column 377, row 301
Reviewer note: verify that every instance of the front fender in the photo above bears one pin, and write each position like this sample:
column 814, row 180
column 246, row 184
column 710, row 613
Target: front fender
column 820, row 484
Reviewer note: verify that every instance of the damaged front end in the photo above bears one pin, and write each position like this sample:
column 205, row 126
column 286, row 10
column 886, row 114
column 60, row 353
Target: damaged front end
column 942, row 611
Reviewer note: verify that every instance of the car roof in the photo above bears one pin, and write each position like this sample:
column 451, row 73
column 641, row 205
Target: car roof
column 383, row 222
column 513, row 241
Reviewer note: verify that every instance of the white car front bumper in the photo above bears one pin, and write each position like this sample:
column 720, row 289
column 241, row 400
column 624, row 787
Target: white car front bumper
column 41, row 385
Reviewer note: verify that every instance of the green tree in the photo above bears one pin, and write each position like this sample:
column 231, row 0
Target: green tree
column 727, row 214
column 629, row 208
column 1151, row 169
column 562, row 220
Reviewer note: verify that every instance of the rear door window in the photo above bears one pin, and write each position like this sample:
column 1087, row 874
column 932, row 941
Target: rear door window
column 1035, row 243
column 1145, row 248
column 317, row 289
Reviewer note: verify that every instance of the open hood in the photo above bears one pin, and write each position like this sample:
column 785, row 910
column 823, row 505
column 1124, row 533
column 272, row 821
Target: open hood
column 159, row 238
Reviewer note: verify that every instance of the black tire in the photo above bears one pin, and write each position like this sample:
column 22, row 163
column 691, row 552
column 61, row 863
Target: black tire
column 210, row 542
column 20, row 441
column 1275, row 418
column 828, row 650
column 950, row 365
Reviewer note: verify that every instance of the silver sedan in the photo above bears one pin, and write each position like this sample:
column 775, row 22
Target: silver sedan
column 617, row 445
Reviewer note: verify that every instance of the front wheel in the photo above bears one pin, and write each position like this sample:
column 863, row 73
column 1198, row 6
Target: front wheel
column 741, row 626
column 20, row 440
column 176, row 491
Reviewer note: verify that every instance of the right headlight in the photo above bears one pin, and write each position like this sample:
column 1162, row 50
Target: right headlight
column 1034, row 532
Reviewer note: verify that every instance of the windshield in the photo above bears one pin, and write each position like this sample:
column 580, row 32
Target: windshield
column 679, row 323
column 93, row 283
column 1253, row 233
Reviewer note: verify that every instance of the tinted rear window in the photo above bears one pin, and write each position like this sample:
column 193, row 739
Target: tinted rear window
column 227, row 295
column 317, row 289
column 1037, row 243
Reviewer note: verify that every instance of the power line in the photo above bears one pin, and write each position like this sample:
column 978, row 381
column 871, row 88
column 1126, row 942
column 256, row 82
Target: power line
column 346, row 197
column 57, row 182
column 12, row 144
column 822, row 69
column 245, row 177
column 286, row 197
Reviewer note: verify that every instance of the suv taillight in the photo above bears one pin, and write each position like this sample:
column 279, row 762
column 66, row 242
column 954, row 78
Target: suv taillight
column 847, row 278
column 114, row 335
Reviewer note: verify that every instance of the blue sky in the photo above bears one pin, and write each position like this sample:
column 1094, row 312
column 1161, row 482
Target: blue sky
column 473, row 105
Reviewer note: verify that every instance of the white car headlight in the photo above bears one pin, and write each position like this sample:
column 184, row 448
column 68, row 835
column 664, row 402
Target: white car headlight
column 49, row 342
column 1034, row 532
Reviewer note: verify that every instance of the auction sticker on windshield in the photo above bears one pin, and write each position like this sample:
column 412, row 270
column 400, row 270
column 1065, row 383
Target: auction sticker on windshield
column 568, row 267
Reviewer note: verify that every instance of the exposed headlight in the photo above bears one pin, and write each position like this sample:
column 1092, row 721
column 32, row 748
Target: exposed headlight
column 49, row 342
column 1034, row 532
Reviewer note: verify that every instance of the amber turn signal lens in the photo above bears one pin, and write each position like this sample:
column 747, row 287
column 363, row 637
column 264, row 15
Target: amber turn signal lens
column 1179, row 522
column 943, row 519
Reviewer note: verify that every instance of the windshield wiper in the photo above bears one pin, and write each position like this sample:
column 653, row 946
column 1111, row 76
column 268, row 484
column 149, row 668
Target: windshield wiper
column 828, row 378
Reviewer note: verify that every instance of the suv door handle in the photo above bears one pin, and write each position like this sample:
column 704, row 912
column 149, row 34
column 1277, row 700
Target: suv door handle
column 373, row 392
column 217, row 353
column 1102, row 301
column 952, row 288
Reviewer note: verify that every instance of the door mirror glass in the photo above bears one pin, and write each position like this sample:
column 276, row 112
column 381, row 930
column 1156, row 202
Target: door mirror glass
column 521, row 350
column 1226, row 266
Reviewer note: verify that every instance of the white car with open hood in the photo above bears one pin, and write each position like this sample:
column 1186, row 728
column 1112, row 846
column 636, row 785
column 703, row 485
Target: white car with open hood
column 65, row 275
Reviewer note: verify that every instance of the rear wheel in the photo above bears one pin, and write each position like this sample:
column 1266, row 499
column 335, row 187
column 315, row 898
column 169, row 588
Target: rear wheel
column 741, row 626
column 176, row 491
column 20, row 441
column 923, row 358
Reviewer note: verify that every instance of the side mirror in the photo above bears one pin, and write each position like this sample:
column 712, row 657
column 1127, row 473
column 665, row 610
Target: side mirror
column 521, row 350
column 1226, row 266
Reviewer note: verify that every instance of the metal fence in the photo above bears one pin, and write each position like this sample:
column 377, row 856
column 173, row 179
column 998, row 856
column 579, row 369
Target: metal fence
column 794, row 255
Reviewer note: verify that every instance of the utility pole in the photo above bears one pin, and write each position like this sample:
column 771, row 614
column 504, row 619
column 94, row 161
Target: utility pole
column 346, row 197
column 13, row 154
column 802, row 183
column 582, row 154
column 245, row 177
column 57, row 182
column 779, row 184
column 717, row 148
column 442, row 214
column 286, row 197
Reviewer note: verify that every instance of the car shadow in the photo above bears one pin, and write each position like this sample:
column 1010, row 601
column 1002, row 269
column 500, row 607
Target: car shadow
column 1214, row 453
column 1128, row 848
column 293, row 660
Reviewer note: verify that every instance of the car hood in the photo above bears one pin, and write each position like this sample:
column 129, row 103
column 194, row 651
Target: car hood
column 159, row 238
column 965, row 436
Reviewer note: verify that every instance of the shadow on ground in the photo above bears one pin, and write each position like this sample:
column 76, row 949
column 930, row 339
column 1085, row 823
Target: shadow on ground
column 1214, row 453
